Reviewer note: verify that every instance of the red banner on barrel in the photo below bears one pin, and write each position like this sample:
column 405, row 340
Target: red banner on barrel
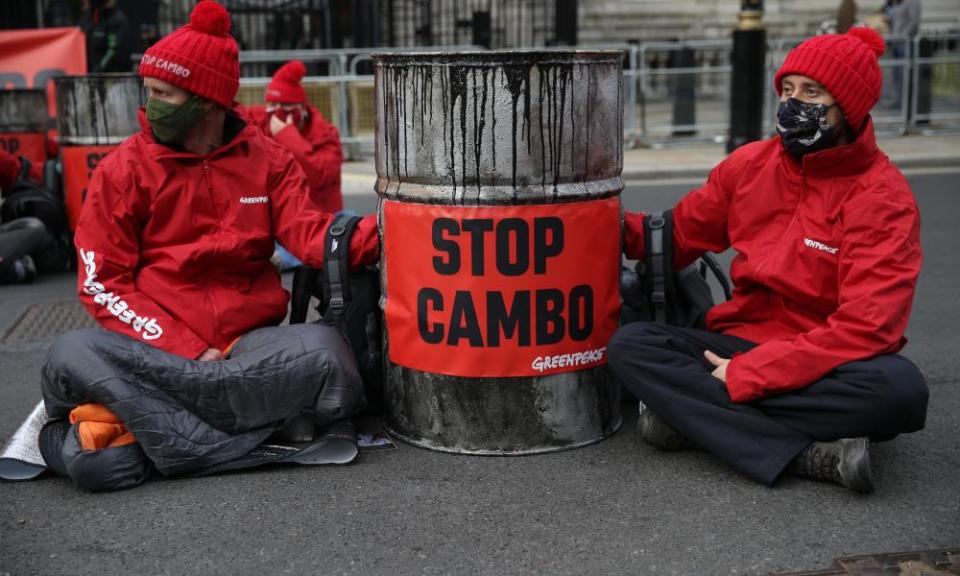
column 501, row 291
column 78, row 165
column 31, row 145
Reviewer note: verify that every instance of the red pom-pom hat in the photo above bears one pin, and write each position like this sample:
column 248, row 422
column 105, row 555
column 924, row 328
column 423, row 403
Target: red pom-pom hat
column 285, row 87
column 200, row 57
column 846, row 65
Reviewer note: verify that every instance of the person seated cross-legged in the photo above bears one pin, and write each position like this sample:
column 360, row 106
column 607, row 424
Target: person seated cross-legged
column 799, row 371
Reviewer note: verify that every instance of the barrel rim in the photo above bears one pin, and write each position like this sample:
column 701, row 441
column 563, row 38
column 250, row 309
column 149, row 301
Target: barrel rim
column 524, row 57
column 97, row 76
column 24, row 91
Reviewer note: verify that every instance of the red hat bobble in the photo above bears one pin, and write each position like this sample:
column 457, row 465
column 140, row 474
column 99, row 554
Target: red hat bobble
column 285, row 87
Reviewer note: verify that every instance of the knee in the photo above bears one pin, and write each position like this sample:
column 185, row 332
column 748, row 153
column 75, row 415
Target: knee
column 901, row 388
column 317, row 336
column 70, row 348
column 628, row 341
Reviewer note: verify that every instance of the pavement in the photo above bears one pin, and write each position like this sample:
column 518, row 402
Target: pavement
column 614, row 507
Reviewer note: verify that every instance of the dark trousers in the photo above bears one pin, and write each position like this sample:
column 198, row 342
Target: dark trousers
column 665, row 368
column 19, row 238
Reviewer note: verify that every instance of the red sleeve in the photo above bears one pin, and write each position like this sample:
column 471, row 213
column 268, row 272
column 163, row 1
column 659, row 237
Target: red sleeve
column 880, row 259
column 320, row 156
column 699, row 222
column 108, row 245
column 301, row 226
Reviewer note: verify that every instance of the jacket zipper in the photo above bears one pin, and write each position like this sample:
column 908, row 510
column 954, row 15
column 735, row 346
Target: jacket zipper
column 205, row 166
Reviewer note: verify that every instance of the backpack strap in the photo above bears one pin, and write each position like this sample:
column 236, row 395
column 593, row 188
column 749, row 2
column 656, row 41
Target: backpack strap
column 336, row 262
column 658, row 229
column 25, row 166
column 714, row 266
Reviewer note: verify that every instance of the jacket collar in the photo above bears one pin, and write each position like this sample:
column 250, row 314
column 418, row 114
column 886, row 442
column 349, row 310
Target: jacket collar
column 847, row 160
column 235, row 130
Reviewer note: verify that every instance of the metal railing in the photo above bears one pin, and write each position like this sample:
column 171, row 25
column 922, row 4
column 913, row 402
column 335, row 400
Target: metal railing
column 673, row 91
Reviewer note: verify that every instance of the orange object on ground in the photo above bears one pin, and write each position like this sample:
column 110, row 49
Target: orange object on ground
column 98, row 427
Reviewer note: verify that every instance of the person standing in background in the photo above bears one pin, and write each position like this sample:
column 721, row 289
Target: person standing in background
column 299, row 127
column 846, row 15
column 107, row 29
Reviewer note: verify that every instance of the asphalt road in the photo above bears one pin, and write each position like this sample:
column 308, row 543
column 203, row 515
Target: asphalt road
column 614, row 507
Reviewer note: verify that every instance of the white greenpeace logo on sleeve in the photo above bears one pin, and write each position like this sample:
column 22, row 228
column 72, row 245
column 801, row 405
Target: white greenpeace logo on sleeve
column 819, row 246
column 146, row 327
column 254, row 200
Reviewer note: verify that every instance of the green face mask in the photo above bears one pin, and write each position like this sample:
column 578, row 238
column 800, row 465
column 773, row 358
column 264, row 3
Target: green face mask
column 171, row 122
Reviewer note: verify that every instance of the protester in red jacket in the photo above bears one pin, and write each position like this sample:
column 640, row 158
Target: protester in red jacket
column 800, row 365
column 179, row 223
column 290, row 120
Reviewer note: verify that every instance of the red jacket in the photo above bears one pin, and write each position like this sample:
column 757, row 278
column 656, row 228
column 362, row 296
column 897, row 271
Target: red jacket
column 828, row 254
column 317, row 149
column 175, row 247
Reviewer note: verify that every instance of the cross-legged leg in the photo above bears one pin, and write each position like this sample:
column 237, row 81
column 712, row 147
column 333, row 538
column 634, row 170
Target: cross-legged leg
column 664, row 366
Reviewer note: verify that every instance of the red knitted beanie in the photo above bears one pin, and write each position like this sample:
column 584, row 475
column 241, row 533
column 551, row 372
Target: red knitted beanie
column 285, row 86
column 845, row 64
column 200, row 57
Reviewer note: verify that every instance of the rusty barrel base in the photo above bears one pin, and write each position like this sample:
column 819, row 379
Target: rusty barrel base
column 527, row 452
column 502, row 416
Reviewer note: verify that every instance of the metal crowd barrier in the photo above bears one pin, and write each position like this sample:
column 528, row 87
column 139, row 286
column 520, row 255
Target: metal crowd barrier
column 672, row 90
column 659, row 76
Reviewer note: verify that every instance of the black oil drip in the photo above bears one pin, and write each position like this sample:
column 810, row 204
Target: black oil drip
column 448, row 141
column 385, row 88
column 517, row 78
column 402, row 119
column 479, row 121
column 493, row 115
column 541, row 76
column 563, row 74
column 591, row 71
column 458, row 91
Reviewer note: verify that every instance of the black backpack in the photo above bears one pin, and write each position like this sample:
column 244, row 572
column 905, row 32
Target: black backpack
column 654, row 292
column 348, row 301
column 27, row 198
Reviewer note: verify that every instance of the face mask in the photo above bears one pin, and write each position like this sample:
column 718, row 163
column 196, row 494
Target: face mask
column 803, row 127
column 171, row 123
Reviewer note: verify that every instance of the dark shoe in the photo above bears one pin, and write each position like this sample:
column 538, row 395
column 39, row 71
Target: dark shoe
column 26, row 270
column 22, row 270
column 657, row 433
column 845, row 462
column 298, row 429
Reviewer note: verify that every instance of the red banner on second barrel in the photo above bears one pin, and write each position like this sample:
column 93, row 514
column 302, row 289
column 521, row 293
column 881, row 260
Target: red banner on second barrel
column 78, row 165
column 31, row 145
column 501, row 291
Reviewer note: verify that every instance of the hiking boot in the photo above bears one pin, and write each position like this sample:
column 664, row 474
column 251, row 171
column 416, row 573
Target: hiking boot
column 845, row 462
column 656, row 432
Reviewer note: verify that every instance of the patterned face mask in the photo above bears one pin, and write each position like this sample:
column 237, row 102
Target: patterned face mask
column 803, row 127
